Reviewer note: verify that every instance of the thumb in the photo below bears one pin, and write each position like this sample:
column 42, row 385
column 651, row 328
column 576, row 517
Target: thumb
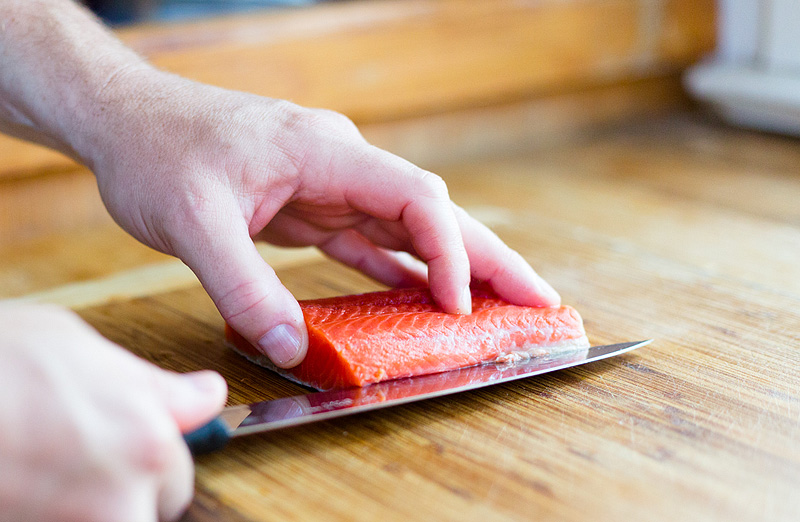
column 251, row 298
column 194, row 398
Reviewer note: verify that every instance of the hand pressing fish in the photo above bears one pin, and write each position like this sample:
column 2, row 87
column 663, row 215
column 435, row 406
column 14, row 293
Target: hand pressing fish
column 382, row 349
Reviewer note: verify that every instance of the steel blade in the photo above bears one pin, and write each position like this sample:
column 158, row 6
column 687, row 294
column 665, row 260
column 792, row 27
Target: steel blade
column 285, row 412
column 301, row 409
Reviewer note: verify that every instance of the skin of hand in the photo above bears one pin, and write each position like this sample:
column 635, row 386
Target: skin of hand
column 88, row 431
column 200, row 172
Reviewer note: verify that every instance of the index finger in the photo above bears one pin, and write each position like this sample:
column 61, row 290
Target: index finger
column 387, row 187
column 506, row 271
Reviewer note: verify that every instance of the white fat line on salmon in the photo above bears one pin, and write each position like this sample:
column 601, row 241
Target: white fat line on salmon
column 553, row 350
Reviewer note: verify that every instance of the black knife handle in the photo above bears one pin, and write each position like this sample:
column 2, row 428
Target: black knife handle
column 208, row 438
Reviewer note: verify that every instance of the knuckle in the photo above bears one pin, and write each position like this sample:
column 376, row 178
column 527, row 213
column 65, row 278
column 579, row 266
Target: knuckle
column 327, row 120
column 194, row 203
column 339, row 120
column 432, row 185
column 296, row 120
column 238, row 301
column 304, row 132
column 287, row 112
column 324, row 123
column 293, row 145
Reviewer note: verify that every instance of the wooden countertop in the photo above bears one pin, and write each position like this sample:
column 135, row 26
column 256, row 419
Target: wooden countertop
column 678, row 229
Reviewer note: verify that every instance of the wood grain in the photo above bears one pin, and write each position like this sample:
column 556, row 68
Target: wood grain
column 49, row 202
column 704, row 424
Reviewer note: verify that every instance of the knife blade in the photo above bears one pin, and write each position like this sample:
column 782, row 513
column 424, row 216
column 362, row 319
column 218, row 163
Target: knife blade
column 236, row 421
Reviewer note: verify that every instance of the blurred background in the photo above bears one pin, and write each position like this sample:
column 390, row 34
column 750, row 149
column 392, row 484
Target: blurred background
column 117, row 12
column 434, row 81
column 444, row 82
column 753, row 77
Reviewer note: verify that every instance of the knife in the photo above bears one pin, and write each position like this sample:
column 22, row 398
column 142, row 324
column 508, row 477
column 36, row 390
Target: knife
column 235, row 421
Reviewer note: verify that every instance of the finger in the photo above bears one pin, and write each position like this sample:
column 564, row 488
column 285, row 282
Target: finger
column 159, row 488
column 192, row 399
column 177, row 485
column 395, row 269
column 153, row 498
column 120, row 497
column 137, row 503
column 288, row 230
column 420, row 200
column 387, row 234
column 494, row 262
column 247, row 292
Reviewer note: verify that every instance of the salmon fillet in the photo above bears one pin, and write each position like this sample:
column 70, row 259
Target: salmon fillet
column 362, row 339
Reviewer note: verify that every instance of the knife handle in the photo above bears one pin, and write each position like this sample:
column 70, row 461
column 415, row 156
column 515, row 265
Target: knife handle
column 208, row 438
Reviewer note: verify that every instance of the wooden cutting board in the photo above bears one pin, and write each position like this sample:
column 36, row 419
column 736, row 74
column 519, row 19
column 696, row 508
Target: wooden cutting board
column 687, row 234
column 684, row 232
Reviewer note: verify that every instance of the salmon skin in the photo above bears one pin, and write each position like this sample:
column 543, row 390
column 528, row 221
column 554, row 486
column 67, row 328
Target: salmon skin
column 361, row 339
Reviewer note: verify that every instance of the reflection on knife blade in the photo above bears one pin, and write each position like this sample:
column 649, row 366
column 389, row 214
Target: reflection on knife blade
column 302, row 409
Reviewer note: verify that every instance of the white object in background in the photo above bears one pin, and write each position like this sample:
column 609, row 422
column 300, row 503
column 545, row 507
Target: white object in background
column 738, row 23
column 782, row 39
column 754, row 77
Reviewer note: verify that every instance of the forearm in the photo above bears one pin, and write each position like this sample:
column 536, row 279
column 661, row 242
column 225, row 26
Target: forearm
column 58, row 69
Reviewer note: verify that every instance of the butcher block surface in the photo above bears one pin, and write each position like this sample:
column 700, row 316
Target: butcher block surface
column 679, row 230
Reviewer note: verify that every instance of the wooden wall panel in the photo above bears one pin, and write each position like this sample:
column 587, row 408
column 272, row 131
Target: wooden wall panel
column 686, row 29
column 379, row 61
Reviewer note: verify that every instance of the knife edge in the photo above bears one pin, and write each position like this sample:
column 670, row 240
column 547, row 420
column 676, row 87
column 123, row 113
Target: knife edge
column 240, row 420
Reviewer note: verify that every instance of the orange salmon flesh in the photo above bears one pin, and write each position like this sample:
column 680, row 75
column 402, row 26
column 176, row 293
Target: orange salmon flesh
column 362, row 339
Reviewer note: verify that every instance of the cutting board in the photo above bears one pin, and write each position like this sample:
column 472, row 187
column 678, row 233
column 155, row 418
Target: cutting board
column 646, row 238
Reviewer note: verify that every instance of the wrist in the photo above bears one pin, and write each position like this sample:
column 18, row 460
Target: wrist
column 112, row 112
column 56, row 61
